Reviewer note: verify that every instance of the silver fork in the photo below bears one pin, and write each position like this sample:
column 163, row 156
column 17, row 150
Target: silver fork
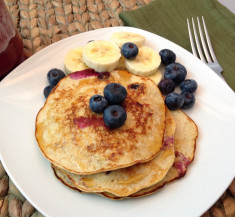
column 208, row 57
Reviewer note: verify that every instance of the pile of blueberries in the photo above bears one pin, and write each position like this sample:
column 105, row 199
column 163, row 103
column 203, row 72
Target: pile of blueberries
column 53, row 76
column 114, row 115
column 174, row 75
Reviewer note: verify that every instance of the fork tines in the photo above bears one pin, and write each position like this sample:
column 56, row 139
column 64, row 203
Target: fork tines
column 204, row 56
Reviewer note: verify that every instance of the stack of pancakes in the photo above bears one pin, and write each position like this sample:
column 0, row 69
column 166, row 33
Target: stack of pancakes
column 153, row 147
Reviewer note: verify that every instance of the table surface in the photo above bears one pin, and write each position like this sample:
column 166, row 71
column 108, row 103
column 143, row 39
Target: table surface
column 58, row 27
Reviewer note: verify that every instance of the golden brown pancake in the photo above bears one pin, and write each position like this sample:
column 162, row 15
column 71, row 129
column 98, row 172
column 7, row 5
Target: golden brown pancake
column 185, row 137
column 177, row 171
column 126, row 181
column 64, row 179
column 74, row 138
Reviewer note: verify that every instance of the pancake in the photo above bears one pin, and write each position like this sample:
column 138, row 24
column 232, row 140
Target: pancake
column 186, row 145
column 126, row 181
column 64, row 179
column 74, row 138
column 185, row 137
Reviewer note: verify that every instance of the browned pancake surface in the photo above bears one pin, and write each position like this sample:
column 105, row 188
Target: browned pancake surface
column 126, row 181
column 74, row 138
column 186, row 134
column 185, row 150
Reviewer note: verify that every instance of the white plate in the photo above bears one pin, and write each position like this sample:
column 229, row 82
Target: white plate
column 207, row 178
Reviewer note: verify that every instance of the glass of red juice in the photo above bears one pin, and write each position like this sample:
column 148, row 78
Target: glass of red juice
column 11, row 44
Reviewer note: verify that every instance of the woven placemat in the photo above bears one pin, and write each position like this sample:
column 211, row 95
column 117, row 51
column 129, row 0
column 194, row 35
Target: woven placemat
column 43, row 22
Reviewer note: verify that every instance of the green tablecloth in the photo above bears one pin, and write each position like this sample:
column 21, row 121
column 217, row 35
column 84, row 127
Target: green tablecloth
column 167, row 18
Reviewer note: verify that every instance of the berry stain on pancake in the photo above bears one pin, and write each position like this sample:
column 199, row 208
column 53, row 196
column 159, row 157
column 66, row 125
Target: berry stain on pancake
column 75, row 138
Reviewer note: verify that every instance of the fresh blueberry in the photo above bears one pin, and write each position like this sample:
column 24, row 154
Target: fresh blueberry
column 166, row 86
column 129, row 50
column 114, row 116
column 167, row 56
column 188, row 85
column 115, row 93
column 98, row 103
column 176, row 72
column 189, row 100
column 174, row 101
column 54, row 76
column 47, row 90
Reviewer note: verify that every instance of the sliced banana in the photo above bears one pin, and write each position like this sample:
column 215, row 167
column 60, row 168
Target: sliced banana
column 121, row 64
column 156, row 77
column 146, row 63
column 101, row 55
column 120, row 38
column 73, row 61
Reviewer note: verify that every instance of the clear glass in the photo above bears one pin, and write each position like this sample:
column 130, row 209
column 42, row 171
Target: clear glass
column 11, row 44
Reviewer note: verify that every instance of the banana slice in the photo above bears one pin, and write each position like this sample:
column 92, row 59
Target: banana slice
column 101, row 55
column 156, row 77
column 121, row 65
column 120, row 38
column 73, row 61
column 146, row 63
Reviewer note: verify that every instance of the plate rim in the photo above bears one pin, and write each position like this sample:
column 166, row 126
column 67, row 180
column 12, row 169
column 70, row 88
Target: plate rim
column 16, row 70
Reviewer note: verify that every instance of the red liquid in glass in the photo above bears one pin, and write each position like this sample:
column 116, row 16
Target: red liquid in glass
column 11, row 44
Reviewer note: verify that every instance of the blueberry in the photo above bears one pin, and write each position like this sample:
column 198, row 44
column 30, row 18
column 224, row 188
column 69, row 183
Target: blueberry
column 54, row 76
column 114, row 116
column 47, row 90
column 174, row 101
column 115, row 93
column 176, row 72
column 188, row 85
column 98, row 103
column 189, row 100
column 129, row 50
column 167, row 56
column 166, row 86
